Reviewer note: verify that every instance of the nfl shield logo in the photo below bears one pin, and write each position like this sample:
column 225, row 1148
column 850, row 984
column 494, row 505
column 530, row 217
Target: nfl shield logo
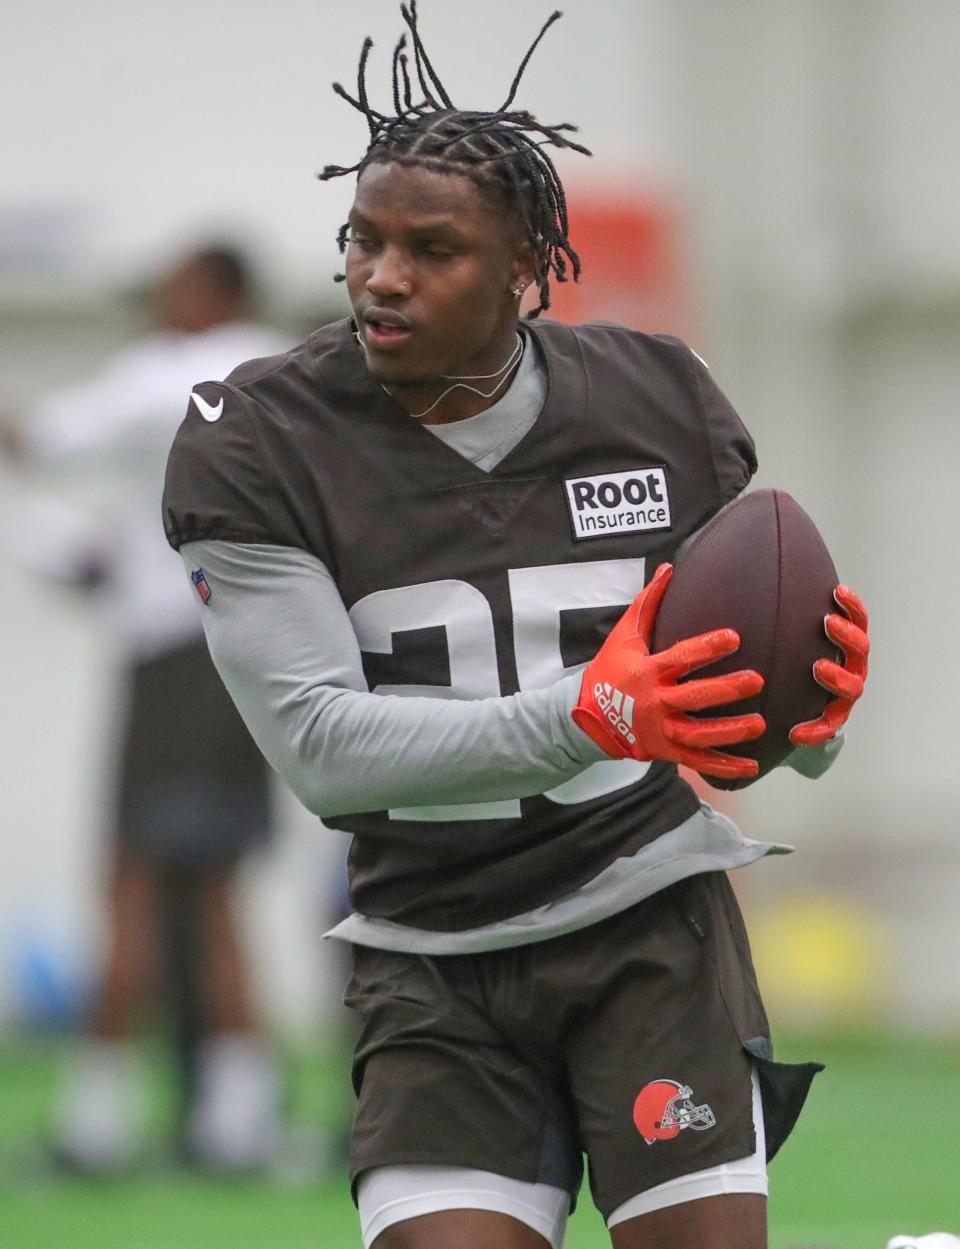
column 199, row 579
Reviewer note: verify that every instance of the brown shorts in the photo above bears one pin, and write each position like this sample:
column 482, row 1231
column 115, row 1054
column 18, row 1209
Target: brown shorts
column 631, row 1041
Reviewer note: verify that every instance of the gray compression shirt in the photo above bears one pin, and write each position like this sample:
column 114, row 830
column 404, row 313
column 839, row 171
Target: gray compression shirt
column 282, row 640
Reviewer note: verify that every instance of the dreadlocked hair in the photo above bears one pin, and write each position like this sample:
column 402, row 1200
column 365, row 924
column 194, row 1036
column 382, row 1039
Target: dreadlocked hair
column 502, row 152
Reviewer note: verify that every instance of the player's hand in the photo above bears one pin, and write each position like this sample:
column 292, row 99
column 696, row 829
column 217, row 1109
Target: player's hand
column 845, row 681
column 632, row 707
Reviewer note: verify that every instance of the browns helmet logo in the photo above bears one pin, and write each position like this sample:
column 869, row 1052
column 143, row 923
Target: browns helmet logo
column 664, row 1108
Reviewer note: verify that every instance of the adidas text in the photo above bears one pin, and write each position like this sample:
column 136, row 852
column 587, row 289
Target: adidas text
column 617, row 709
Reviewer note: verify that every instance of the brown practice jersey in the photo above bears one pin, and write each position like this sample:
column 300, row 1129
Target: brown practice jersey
column 468, row 584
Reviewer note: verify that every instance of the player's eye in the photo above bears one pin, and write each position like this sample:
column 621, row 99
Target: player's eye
column 362, row 241
column 435, row 251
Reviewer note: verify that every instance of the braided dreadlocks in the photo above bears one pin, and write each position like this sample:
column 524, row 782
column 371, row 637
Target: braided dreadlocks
column 502, row 152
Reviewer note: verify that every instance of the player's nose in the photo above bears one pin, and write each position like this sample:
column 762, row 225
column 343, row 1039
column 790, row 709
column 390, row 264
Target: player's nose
column 390, row 277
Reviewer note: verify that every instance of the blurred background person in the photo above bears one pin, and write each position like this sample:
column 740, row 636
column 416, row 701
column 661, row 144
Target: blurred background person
column 190, row 794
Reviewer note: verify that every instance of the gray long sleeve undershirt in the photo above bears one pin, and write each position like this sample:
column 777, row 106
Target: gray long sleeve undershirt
column 283, row 643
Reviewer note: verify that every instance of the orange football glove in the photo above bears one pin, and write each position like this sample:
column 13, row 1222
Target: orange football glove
column 845, row 680
column 632, row 707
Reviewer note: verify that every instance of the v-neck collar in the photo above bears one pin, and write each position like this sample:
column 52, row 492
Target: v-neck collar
column 488, row 437
column 566, row 387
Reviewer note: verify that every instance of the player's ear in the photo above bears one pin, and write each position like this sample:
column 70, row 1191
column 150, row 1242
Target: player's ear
column 523, row 271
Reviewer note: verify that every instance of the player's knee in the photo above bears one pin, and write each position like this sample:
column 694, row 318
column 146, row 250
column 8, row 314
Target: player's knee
column 460, row 1229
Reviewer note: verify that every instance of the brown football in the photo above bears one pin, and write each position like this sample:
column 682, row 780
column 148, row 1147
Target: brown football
column 760, row 567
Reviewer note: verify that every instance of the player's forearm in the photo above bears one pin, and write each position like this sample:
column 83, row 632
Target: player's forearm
column 346, row 752
column 283, row 643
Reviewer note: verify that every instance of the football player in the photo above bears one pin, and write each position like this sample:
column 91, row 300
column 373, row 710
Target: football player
column 418, row 624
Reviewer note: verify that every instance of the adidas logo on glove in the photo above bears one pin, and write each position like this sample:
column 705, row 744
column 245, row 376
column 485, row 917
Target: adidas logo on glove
column 617, row 707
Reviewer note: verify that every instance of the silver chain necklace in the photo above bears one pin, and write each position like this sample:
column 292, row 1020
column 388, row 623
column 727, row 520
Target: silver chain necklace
column 460, row 381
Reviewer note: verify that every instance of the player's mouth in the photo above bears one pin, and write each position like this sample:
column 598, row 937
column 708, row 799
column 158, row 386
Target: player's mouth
column 384, row 329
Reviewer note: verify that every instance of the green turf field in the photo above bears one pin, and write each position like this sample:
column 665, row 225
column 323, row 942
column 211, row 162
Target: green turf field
column 877, row 1152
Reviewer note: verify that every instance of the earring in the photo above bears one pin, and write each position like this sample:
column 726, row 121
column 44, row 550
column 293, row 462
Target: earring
column 518, row 291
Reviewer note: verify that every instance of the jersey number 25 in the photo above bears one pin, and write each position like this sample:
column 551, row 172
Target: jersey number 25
column 537, row 598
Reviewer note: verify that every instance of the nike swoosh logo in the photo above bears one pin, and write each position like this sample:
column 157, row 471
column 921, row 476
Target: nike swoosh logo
column 207, row 410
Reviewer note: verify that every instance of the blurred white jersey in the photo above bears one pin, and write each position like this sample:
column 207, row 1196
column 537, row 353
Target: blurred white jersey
column 121, row 424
